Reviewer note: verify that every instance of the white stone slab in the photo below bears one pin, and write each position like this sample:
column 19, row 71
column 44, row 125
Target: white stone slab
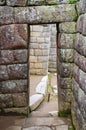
column 41, row 88
column 35, row 101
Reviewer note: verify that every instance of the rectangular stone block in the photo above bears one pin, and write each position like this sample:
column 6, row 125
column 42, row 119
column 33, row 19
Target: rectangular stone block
column 17, row 71
column 16, row 2
column 67, row 27
column 13, row 86
column 66, row 41
column 20, row 100
column 45, row 14
column 36, row 2
column 65, row 70
column 13, row 56
column 6, row 15
column 81, row 24
column 42, row 59
column 6, row 100
column 57, row 1
column 80, row 44
column 66, row 55
column 13, row 36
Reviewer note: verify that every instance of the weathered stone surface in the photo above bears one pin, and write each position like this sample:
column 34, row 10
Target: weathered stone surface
column 80, row 44
column 2, row 2
column 66, row 41
column 81, row 24
column 37, row 128
column 65, row 70
column 20, row 111
column 57, row 1
column 3, row 73
column 13, row 56
column 82, row 80
column 80, row 61
column 13, row 86
column 14, row 128
column 65, row 82
column 6, row 15
column 63, row 127
column 81, row 6
column 45, row 14
column 36, row 2
column 16, row 2
column 20, row 100
column 76, row 73
column 67, row 27
column 17, row 71
column 6, row 100
column 64, row 105
column 66, row 55
column 13, row 36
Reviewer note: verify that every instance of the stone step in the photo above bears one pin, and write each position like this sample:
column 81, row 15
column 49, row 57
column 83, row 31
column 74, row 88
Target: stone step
column 35, row 101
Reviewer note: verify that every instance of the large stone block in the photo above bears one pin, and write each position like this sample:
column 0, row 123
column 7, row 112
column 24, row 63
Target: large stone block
column 6, row 15
column 13, row 36
column 13, row 86
column 65, row 70
column 81, row 24
column 17, row 71
column 67, row 27
column 66, row 55
column 16, row 2
column 80, row 44
column 45, row 14
column 20, row 99
column 66, row 41
column 15, row 56
column 6, row 100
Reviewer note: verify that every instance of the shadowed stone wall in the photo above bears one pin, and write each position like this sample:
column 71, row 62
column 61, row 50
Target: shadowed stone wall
column 15, row 18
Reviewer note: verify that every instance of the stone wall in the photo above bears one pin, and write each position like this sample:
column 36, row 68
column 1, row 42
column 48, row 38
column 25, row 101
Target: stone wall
column 15, row 18
column 79, row 81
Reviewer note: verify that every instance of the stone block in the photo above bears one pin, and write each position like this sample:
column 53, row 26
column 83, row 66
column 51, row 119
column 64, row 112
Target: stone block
column 62, row 127
column 65, row 83
column 45, row 14
column 2, row 2
column 82, row 80
column 63, row 106
column 81, row 24
column 81, row 6
column 16, row 2
column 6, row 100
column 17, row 71
column 36, row 2
column 35, row 101
column 80, row 61
column 13, row 86
column 6, row 15
column 57, row 1
column 3, row 73
column 39, row 71
column 38, row 65
column 42, row 59
column 66, row 55
column 20, row 99
column 37, row 128
column 65, row 70
column 80, row 44
column 33, row 59
column 14, row 128
column 67, row 27
column 66, row 41
column 15, row 56
column 13, row 36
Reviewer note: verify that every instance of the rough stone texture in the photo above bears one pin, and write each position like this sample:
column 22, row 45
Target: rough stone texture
column 67, row 27
column 66, row 41
column 14, row 128
column 37, row 128
column 45, row 14
column 81, row 6
column 13, row 36
column 2, row 2
column 16, row 2
column 63, row 127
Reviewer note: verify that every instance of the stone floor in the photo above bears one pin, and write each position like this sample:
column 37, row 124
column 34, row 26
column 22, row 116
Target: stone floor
column 40, row 119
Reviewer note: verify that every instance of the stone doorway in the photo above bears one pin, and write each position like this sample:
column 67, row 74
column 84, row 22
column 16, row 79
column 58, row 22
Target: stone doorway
column 43, row 68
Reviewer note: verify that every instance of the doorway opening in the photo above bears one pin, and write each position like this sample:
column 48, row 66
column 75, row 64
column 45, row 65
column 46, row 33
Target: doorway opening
column 43, row 89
